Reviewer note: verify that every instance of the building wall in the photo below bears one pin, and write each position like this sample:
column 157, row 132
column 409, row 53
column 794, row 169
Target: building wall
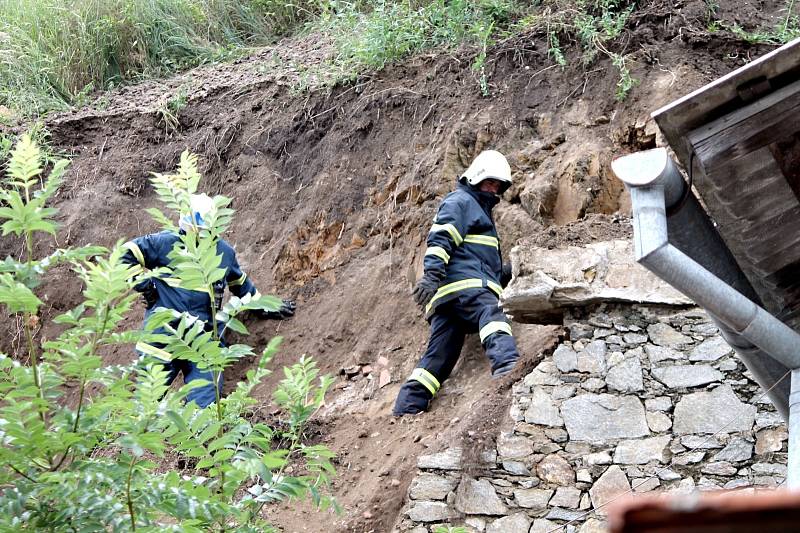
column 639, row 398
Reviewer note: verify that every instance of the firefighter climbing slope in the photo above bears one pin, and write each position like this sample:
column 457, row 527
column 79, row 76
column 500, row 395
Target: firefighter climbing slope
column 151, row 251
column 460, row 289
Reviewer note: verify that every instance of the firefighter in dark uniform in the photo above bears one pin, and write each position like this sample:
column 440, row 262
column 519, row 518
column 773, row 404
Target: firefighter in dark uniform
column 460, row 289
column 151, row 251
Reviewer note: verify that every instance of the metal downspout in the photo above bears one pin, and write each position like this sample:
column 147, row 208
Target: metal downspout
column 654, row 183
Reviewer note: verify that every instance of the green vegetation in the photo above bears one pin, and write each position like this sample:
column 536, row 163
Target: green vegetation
column 782, row 33
column 83, row 444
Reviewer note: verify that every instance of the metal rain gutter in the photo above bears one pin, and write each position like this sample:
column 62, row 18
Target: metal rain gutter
column 699, row 265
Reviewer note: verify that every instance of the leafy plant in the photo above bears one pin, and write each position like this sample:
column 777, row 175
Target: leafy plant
column 449, row 529
column 93, row 460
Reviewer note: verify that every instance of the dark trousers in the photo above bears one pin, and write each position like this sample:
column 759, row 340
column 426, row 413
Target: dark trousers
column 474, row 311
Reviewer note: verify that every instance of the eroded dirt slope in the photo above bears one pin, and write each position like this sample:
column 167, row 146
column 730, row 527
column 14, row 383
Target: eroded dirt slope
column 335, row 189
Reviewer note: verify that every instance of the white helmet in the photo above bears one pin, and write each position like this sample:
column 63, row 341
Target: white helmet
column 490, row 164
column 201, row 205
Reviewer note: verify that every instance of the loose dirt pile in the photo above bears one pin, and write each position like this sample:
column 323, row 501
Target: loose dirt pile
column 335, row 190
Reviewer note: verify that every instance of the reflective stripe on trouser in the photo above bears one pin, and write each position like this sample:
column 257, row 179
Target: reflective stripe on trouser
column 471, row 312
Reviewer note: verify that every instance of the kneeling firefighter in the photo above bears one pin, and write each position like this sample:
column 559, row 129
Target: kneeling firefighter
column 460, row 289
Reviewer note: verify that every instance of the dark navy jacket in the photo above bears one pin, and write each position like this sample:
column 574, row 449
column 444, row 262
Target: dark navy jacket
column 463, row 249
column 151, row 251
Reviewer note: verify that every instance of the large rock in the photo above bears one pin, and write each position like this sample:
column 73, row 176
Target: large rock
column 599, row 417
column 640, row 452
column 770, row 440
column 513, row 447
column 626, row 375
column 682, row 376
column 542, row 411
column 430, row 487
column 449, row 459
column 548, row 281
column 611, row 484
column 430, row 512
column 478, row 497
column 542, row 525
column 555, row 469
column 565, row 358
column 592, row 359
column 710, row 350
column 533, row 499
column 712, row 412
column 665, row 335
column 657, row 354
column 737, row 449
column 516, row 523
column 568, row 497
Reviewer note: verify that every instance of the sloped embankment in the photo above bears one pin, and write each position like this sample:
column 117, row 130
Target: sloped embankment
column 334, row 190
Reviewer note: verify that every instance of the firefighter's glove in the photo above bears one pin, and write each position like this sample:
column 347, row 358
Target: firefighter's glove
column 505, row 276
column 149, row 293
column 424, row 290
column 286, row 310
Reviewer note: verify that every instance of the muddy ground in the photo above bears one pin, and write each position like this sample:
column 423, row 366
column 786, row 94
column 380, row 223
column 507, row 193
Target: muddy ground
column 335, row 189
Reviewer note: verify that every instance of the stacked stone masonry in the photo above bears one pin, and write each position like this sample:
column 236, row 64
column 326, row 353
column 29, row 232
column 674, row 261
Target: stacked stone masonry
column 638, row 399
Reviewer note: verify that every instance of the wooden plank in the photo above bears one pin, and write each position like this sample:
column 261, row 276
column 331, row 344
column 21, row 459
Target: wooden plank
column 749, row 128
column 698, row 107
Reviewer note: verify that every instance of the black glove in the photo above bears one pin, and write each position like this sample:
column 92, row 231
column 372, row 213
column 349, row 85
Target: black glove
column 286, row 310
column 149, row 293
column 425, row 289
column 505, row 277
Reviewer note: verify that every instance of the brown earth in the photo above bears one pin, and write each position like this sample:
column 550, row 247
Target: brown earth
column 335, row 188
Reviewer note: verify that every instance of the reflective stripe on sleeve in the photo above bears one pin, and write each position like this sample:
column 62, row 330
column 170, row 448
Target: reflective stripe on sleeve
column 135, row 250
column 238, row 282
column 486, row 240
column 427, row 379
column 449, row 228
column 152, row 351
column 439, row 252
column 495, row 287
column 494, row 327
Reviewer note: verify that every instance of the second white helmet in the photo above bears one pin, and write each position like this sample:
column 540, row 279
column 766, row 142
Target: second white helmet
column 490, row 164
column 201, row 206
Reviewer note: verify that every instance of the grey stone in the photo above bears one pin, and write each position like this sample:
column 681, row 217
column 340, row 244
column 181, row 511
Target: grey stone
column 770, row 440
column 419, row 529
column 685, row 486
column 598, row 417
column 710, row 350
column 668, row 475
column 430, row 512
column 601, row 320
column 737, row 449
column 765, row 481
column 769, row 468
column 586, row 502
column 719, row 468
column 593, row 525
column 705, row 328
column 640, row 452
column 515, row 523
column 598, row 458
column 541, row 525
column 625, row 376
column 513, row 447
column 602, row 333
column 611, row 484
column 477, row 523
column 478, row 497
column 705, row 483
column 688, row 458
column 557, row 513
column 646, row 484
column 696, row 442
column 430, row 487
column 533, row 499
column 593, row 384
column 583, row 476
column 682, row 376
column 543, row 374
column 662, row 403
column 579, row 330
column 657, row 354
column 565, row 359
column 658, row 422
column 592, row 359
column 517, row 468
column 710, row 412
column 736, row 484
column 542, row 411
column 729, row 365
column 768, row 420
column 665, row 335
column 563, row 392
column 634, row 338
column 555, row 469
column 449, row 459
column 568, row 497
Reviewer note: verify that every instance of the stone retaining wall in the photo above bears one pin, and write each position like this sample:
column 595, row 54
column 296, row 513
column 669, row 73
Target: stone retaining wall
column 638, row 399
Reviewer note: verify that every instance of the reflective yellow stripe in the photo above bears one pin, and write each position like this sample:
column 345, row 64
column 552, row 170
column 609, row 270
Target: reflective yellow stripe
column 449, row 228
column 239, row 281
column 427, row 379
column 439, row 252
column 158, row 353
column 450, row 288
column 494, row 327
column 495, row 287
column 135, row 250
column 487, row 240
